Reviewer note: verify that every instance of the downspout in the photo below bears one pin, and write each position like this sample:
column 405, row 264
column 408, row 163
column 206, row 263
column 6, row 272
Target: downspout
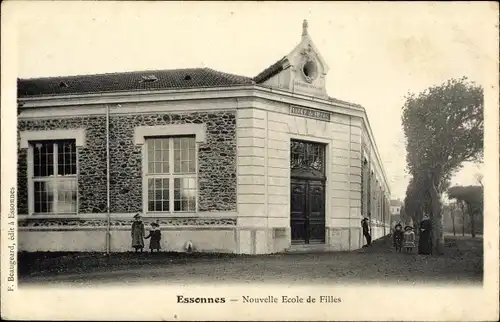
column 370, row 190
column 108, row 226
column 349, row 178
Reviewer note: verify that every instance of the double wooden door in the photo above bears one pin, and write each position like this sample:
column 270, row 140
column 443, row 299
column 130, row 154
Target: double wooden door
column 307, row 215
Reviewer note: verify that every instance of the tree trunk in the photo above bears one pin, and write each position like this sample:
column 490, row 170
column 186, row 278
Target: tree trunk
column 472, row 224
column 453, row 222
column 463, row 218
column 437, row 222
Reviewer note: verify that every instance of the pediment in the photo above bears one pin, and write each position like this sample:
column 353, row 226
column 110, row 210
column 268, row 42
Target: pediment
column 303, row 70
column 306, row 50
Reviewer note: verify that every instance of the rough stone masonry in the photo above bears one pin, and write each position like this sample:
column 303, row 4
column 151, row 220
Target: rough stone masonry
column 216, row 160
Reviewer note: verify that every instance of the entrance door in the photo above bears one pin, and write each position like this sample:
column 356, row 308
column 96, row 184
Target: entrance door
column 307, row 217
column 307, row 204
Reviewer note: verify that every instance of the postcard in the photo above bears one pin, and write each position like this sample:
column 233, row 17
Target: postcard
column 250, row 161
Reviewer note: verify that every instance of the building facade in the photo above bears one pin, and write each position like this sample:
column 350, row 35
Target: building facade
column 228, row 163
column 396, row 205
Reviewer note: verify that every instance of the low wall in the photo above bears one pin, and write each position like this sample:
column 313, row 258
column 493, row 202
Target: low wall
column 204, row 240
column 227, row 237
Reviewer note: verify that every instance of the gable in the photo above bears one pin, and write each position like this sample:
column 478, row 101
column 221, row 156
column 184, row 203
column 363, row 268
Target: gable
column 303, row 70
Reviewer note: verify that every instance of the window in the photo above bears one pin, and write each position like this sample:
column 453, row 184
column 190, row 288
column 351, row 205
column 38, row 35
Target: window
column 148, row 79
column 307, row 155
column 54, row 179
column 171, row 174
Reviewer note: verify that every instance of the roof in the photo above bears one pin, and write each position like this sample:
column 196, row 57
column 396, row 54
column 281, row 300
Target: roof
column 129, row 81
column 277, row 67
column 270, row 71
column 396, row 202
column 145, row 80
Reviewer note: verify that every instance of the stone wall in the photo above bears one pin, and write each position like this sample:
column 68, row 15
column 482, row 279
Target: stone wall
column 91, row 161
column 216, row 160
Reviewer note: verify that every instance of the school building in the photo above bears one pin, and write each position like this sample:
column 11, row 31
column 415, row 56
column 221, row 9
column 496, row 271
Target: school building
column 229, row 163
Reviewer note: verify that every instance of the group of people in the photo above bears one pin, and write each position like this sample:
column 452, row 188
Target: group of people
column 406, row 238
column 138, row 235
column 401, row 238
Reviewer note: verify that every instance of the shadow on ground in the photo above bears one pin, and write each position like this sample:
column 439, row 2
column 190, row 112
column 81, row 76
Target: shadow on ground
column 461, row 263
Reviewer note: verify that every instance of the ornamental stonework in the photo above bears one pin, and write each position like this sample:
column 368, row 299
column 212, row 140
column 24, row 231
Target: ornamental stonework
column 216, row 160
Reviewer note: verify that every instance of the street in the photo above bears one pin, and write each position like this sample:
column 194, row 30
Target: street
column 461, row 264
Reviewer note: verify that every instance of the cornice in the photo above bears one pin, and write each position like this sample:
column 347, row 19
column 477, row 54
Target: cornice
column 100, row 100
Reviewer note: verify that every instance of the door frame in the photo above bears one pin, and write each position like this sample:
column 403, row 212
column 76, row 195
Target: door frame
column 328, row 168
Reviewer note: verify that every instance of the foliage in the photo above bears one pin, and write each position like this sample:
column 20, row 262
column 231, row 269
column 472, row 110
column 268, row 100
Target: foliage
column 471, row 195
column 403, row 215
column 444, row 128
column 472, row 198
column 479, row 178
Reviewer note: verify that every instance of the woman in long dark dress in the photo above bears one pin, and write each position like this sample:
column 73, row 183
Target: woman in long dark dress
column 425, row 239
column 137, row 233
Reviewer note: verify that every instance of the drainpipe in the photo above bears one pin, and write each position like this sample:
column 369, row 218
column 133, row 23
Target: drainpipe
column 370, row 188
column 108, row 230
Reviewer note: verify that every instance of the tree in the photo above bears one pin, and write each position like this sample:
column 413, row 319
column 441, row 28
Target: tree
column 452, row 214
column 472, row 198
column 462, row 209
column 444, row 128
column 479, row 178
column 414, row 202
column 403, row 216
column 449, row 216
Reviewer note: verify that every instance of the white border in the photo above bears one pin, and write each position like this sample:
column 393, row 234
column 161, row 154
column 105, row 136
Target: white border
column 77, row 134
column 141, row 132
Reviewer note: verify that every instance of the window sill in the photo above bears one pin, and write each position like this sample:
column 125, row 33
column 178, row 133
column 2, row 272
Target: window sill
column 59, row 216
column 208, row 214
column 189, row 214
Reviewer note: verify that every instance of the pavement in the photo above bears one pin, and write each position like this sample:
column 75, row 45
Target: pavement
column 462, row 263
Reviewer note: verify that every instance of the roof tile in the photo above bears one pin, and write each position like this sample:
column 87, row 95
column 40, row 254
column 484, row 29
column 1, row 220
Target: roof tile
column 130, row 81
column 144, row 80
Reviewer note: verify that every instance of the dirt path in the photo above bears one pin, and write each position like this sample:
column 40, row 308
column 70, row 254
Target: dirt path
column 462, row 263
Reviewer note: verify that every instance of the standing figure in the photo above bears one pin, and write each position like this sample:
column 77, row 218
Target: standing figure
column 366, row 231
column 409, row 239
column 155, row 235
column 397, row 237
column 425, row 239
column 137, row 233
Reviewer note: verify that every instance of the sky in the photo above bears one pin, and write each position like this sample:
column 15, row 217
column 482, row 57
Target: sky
column 377, row 52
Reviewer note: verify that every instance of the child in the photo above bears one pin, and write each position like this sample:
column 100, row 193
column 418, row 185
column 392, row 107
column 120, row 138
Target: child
column 409, row 239
column 137, row 233
column 398, row 237
column 155, row 235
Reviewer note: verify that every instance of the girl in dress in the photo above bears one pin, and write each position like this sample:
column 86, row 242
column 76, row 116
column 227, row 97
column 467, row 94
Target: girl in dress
column 155, row 235
column 409, row 239
column 398, row 237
